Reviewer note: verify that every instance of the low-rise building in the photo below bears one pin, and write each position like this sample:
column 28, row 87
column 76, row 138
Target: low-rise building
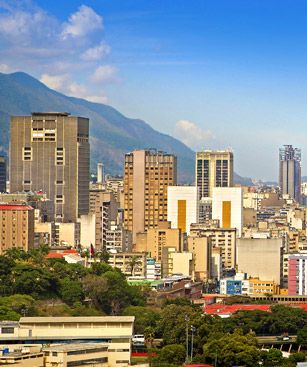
column 69, row 355
column 130, row 263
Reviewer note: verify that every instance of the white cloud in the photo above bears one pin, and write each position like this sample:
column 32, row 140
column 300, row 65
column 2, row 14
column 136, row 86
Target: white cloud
column 97, row 99
column 4, row 68
column 191, row 134
column 104, row 74
column 82, row 22
column 96, row 53
column 54, row 81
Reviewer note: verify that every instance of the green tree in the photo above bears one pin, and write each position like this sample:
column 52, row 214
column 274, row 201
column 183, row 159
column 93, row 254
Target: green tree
column 71, row 291
column 173, row 354
column 144, row 317
column 227, row 350
column 272, row 358
column 302, row 336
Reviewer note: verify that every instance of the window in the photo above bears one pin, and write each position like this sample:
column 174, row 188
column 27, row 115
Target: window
column 59, row 182
column 7, row 330
column 59, row 199
column 59, row 156
column 26, row 182
column 43, row 134
column 27, row 153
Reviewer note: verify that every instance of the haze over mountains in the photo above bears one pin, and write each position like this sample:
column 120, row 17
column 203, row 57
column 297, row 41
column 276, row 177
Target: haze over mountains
column 112, row 134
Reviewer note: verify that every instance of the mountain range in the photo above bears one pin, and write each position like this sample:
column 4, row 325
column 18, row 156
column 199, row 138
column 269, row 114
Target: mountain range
column 112, row 133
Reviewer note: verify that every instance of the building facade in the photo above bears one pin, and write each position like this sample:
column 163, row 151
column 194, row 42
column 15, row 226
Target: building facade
column 214, row 168
column 297, row 275
column 182, row 207
column 148, row 173
column 227, row 207
column 16, row 227
column 50, row 152
column 290, row 171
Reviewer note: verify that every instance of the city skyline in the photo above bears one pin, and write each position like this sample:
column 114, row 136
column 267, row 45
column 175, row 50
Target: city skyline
column 232, row 76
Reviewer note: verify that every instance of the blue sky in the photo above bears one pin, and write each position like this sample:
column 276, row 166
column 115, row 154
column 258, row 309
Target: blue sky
column 216, row 74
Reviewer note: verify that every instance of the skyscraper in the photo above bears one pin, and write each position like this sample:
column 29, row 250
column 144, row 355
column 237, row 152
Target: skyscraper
column 214, row 168
column 290, row 171
column 2, row 174
column 148, row 173
column 49, row 152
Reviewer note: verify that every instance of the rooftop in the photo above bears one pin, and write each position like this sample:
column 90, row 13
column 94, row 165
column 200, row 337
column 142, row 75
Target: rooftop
column 76, row 319
column 74, row 346
column 15, row 207
column 50, row 113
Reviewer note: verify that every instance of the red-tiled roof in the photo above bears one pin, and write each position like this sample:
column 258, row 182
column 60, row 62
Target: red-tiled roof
column 55, row 255
column 221, row 309
column 15, row 207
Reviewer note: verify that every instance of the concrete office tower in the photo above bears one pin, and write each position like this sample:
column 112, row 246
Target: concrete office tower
column 16, row 227
column 100, row 173
column 260, row 258
column 214, row 168
column 50, row 152
column 290, row 171
column 227, row 207
column 182, row 208
column 297, row 275
column 2, row 174
column 148, row 173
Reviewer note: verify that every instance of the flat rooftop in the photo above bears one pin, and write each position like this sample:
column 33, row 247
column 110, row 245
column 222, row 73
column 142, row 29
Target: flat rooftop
column 74, row 346
column 76, row 319
column 50, row 113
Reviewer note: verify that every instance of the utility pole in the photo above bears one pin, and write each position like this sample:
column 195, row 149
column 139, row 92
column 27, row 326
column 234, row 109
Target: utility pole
column 187, row 338
column 193, row 328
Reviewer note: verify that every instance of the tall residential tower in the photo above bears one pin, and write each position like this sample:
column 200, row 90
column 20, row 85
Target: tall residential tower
column 50, row 152
column 148, row 173
column 214, row 168
column 290, row 171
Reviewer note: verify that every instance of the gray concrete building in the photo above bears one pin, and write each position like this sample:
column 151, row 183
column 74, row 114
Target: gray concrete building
column 50, row 152
column 260, row 258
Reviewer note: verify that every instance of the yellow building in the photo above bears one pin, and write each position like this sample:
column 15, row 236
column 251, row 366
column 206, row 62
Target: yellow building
column 262, row 287
column 155, row 239
column 116, row 331
column 81, row 355
column 22, row 356
column 130, row 263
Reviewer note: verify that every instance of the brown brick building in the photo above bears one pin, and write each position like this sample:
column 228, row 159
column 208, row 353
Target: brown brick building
column 16, row 227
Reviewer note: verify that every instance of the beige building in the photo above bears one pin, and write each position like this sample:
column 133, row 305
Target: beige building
column 115, row 331
column 201, row 249
column 260, row 258
column 16, row 227
column 22, row 356
column 148, row 173
column 155, row 239
column 222, row 238
column 50, row 152
column 214, row 168
column 83, row 355
column 130, row 263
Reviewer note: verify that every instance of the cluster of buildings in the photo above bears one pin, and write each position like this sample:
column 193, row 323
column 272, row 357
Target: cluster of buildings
column 233, row 239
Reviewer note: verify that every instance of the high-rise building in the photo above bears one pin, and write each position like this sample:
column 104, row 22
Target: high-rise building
column 2, row 174
column 16, row 227
column 227, row 207
column 290, row 171
column 182, row 208
column 148, row 173
column 214, row 168
column 50, row 152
